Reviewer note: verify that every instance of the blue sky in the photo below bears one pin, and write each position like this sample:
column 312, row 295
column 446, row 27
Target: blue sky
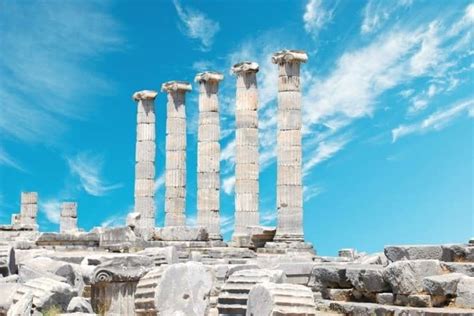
column 388, row 108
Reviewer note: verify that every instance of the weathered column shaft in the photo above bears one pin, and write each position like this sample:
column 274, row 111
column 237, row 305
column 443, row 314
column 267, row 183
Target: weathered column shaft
column 29, row 209
column 68, row 218
column 289, row 151
column 246, row 159
column 145, row 163
column 175, row 184
column 208, row 159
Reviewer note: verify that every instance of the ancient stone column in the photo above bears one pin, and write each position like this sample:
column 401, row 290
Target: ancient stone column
column 289, row 155
column 246, row 159
column 29, row 209
column 145, row 163
column 208, row 165
column 175, row 196
column 68, row 219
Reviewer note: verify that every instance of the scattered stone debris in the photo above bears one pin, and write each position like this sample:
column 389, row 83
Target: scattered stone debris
column 139, row 269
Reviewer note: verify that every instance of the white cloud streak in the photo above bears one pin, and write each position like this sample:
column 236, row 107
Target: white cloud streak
column 7, row 160
column 316, row 16
column 435, row 121
column 45, row 70
column 88, row 169
column 196, row 25
column 52, row 209
column 377, row 12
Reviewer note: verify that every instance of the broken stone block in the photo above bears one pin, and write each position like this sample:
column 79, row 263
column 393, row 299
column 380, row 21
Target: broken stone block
column 42, row 266
column 418, row 252
column 260, row 235
column 117, row 238
column 347, row 253
column 79, row 305
column 367, row 278
column 121, row 268
column 466, row 268
column 234, row 294
column 46, row 293
column 7, row 290
column 187, row 294
column 165, row 255
column 461, row 253
column 296, row 272
column 7, row 261
column 271, row 299
column 376, row 258
column 442, row 285
column 337, row 294
column 23, row 306
column 385, row 298
column 465, row 293
column 181, row 233
column 406, row 276
column 419, row 300
column 328, row 275
column 145, row 292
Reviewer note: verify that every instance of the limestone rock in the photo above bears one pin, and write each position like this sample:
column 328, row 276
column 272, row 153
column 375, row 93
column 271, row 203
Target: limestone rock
column 165, row 255
column 406, row 277
column 384, row 298
column 328, row 275
column 186, row 295
column 181, row 233
column 466, row 268
column 145, row 292
column 79, row 305
column 419, row 300
column 271, row 299
column 442, row 285
column 367, row 278
column 418, row 252
column 465, row 293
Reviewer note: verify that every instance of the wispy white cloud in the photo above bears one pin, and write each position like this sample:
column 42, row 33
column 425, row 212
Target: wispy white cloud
column 268, row 217
column 7, row 160
column 316, row 16
column 45, row 69
column 435, row 121
column 160, row 181
column 227, row 224
column 197, row 25
column 88, row 169
column 377, row 12
column 52, row 209
column 325, row 150
column 228, row 185
column 311, row 191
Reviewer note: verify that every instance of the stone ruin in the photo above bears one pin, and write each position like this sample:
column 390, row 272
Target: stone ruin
column 140, row 269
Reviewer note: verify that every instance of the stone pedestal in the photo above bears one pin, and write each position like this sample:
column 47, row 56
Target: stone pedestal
column 208, row 160
column 175, row 197
column 68, row 219
column 145, row 163
column 246, row 158
column 289, row 155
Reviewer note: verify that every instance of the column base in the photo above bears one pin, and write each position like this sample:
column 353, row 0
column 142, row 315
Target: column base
column 288, row 238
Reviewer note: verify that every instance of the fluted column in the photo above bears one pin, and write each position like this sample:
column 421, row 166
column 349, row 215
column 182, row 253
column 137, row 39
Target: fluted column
column 175, row 183
column 246, row 159
column 289, row 155
column 29, row 209
column 145, row 163
column 208, row 165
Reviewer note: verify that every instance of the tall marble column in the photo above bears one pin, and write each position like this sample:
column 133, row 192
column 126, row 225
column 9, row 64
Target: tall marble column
column 145, row 163
column 246, row 159
column 208, row 165
column 289, row 155
column 175, row 197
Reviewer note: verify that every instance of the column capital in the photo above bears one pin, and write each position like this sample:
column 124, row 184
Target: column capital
column 144, row 95
column 208, row 76
column 285, row 56
column 172, row 86
column 245, row 66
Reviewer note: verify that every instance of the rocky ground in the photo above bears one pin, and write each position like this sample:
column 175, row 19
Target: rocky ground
column 181, row 272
